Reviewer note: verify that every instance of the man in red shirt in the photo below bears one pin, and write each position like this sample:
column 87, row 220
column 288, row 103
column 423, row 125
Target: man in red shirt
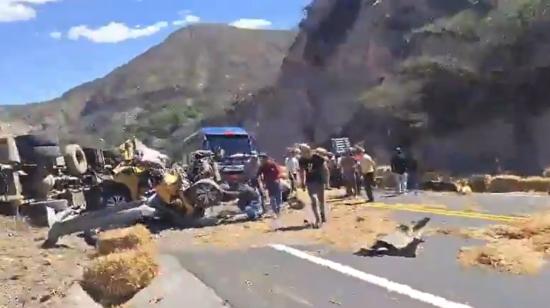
column 270, row 175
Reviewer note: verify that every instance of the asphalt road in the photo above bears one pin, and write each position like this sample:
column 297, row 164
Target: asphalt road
column 266, row 277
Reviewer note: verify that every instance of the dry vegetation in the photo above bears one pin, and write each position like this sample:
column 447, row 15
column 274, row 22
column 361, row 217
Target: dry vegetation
column 115, row 278
column 519, row 248
column 512, row 183
column 350, row 227
column 123, row 239
column 514, row 256
column 126, row 264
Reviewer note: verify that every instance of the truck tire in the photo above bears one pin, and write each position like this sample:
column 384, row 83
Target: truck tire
column 204, row 194
column 75, row 160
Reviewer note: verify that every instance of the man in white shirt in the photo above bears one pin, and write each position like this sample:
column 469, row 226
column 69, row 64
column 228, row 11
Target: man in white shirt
column 367, row 166
column 293, row 166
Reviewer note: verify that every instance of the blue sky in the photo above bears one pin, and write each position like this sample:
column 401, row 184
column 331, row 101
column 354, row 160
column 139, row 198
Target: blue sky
column 50, row 46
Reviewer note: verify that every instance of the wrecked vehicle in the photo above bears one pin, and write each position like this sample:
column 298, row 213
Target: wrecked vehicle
column 232, row 148
column 174, row 200
column 133, row 178
column 38, row 176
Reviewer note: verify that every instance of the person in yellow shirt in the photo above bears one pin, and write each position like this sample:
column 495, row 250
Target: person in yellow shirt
column 367, row 166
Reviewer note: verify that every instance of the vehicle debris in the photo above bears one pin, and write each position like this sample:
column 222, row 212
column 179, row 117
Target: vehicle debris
column 403, row 242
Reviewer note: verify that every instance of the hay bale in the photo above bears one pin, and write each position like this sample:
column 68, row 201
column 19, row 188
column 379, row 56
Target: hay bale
column 535, row 183
column 384, row 177
column 505, row 183
column 116, row 277
column 546, row 172
column 479, row 182
column 431, row 176
column 440, row 186
column 123, row 239
column 513, row 256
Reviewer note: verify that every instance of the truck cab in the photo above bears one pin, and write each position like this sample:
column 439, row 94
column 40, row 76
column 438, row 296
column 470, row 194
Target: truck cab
column 233, row 147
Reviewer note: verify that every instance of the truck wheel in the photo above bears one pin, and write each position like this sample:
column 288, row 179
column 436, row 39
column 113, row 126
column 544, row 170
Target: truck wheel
column 205, row 194
column 75, row 159
column 114, row 196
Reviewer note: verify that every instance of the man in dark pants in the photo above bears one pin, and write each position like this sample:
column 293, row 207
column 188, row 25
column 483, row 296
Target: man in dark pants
column 399, row 169
column 367, row 167
column 314, row 176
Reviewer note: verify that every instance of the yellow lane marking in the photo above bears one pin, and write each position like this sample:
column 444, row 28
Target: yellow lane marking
column 438, row 211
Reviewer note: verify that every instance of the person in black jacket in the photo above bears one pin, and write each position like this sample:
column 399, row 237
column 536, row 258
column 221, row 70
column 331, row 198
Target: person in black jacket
column 399, row 169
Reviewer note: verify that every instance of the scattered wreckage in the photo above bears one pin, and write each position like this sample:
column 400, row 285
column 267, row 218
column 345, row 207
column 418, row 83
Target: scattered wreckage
column 142, row 188
column 403, row 242
column 175, row 200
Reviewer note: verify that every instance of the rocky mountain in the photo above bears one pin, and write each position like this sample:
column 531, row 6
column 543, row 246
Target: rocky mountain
column 461, row 83
column 163, row 94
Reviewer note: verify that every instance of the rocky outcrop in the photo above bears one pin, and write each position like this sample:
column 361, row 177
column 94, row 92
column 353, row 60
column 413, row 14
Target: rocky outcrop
column 417, row 73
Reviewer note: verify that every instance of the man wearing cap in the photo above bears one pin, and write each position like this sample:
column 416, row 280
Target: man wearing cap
column 366, row 168
column 271, row 176
column 313, row 175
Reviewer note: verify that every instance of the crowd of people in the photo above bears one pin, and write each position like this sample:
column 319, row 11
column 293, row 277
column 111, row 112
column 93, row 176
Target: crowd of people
column 309, row 169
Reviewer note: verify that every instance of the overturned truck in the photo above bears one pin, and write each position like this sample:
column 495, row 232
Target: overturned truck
column 37, row 175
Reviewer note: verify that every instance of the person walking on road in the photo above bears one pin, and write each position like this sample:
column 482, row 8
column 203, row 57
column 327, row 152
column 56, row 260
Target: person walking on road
column 270, row 175
column 348, row 167
column 293, row 167
column 367, row 166
column 313, row 175
column 399, row 169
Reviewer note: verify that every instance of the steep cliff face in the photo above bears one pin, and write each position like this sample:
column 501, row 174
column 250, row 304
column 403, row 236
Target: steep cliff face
column 439, row 76
column 344, row 47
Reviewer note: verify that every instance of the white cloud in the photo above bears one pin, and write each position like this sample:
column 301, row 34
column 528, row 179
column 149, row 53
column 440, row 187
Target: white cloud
column 246, row 23
column 56, row 35
column 114, row 32
column 19, row 10
column 187, row 19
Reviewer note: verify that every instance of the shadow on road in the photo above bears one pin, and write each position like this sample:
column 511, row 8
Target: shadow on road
column 294, row 228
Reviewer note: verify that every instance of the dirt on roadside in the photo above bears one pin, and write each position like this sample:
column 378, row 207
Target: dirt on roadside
column 31, row 276
column 350, row 228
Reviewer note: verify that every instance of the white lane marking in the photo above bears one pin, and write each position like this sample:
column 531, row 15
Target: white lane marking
column 387, row 284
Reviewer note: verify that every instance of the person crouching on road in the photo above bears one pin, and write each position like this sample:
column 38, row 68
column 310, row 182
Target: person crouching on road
column 271, row 177
column 399, row 169
column 293, row 167
column 313, row 175
column 366, row 168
